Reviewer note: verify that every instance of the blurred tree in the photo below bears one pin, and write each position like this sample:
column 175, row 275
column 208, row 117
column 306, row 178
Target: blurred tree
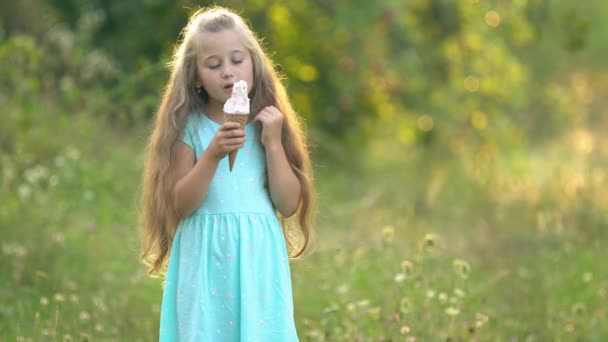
column 434, row 72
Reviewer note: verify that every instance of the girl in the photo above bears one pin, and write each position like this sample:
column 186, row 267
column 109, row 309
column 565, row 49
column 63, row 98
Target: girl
column 220, row 235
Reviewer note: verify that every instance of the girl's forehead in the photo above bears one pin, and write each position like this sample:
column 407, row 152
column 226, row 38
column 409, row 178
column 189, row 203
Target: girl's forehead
column 219, row 43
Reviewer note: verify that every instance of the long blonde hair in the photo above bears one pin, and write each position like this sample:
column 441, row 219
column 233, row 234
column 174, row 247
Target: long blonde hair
column 158, row 218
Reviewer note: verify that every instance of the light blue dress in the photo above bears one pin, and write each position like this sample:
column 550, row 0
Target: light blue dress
column 228, row 277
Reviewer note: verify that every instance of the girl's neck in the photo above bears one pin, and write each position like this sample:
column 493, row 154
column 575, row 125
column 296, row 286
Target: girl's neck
column 214, row 110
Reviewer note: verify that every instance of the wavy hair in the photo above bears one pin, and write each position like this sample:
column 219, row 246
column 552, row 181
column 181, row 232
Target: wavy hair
column 158, row 219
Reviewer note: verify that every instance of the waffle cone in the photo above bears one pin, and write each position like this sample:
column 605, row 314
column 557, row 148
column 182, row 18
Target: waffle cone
column 242, row 120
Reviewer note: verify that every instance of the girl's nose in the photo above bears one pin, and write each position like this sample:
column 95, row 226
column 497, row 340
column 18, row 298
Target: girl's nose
column 227, row 71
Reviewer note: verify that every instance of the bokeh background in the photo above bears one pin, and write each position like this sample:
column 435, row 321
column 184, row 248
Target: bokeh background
column 459, row 151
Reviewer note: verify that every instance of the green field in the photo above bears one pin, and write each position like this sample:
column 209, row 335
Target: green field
column 412, row 247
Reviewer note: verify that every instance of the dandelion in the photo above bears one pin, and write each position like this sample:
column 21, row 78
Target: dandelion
column 399, row 277
column 59, row 297
column 452, row 311
column 342, row 289
column 388, row 232
column 85, row 316
column 430, row 294
column 44, row 301
column 459, row 292
column 363, row 303
column 578, row 309
column 350, row 307
column 405, row 330
column 72, row 153
column 587, row 277
column 407, row 268
column 67, row 338
column 443, row 297
column 331, row 308
column 462, row 268
column 480, row 320
column 430, row 241
column 98, row 327
column 405, row 305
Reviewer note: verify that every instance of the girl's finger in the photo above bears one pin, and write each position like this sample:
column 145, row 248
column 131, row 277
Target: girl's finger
column 230, row 125
column 260, row 117
column 233, row 133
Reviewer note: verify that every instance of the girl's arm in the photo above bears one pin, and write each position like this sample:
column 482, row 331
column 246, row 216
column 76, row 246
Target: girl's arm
column 282, row 181
column 192, row 179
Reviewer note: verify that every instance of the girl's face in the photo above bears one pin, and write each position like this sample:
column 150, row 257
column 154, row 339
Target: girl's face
column 221, row 60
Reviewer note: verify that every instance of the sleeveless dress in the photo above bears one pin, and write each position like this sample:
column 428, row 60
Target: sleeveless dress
column 228, row 277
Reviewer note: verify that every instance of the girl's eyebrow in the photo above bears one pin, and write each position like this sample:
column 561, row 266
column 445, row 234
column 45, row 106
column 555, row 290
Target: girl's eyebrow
column 231, row 52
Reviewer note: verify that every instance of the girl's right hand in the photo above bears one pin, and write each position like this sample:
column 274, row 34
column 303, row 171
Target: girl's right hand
column 229, row 137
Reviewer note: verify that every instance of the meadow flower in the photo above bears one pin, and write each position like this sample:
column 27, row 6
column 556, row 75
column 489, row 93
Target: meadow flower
column 405, row 330
column 44, row 301
column 85, row 316
column 452, row 311
column 407, row 267
column 480, row 319
column 59, row 297
column 430, row 294
column 578, row 309
column 72, row 152
column 459, row 292
column 430, row 241
column 331, row 308
column 443, row 297
column 388, row 232
column 399, row 277
column 587, row 277
column 405, row 305
column 342, row 289
column 462, row 268
column 363, row 303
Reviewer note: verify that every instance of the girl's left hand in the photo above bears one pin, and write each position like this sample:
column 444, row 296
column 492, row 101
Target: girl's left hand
column 272, row 125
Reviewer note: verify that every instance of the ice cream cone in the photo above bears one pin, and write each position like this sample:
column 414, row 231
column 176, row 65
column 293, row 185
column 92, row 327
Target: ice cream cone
column 242, row 120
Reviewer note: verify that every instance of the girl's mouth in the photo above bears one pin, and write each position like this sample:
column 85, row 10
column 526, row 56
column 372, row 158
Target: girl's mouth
column 228, row 87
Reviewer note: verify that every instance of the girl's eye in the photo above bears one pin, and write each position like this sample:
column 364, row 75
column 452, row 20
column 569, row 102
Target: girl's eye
column 238, row 62
column 213, row 66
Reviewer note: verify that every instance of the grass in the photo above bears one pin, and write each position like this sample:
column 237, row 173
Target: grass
column 427, row 247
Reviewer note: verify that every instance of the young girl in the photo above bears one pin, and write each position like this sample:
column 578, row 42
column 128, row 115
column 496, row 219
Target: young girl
column 220, row 235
